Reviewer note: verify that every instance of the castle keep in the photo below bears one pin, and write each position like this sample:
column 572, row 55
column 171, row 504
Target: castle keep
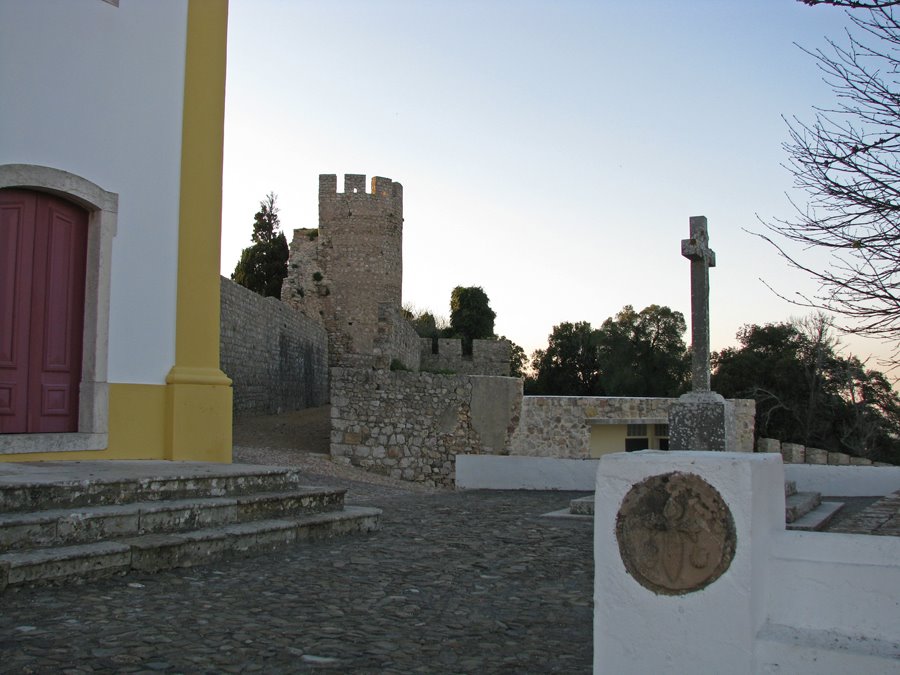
column 340, row 273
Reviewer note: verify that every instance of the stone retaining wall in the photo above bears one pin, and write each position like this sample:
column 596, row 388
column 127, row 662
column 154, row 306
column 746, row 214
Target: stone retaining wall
column 276, row 357
column 412, row 425
column 560, row 426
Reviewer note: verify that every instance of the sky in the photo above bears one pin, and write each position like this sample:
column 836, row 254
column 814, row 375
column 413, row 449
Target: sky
column 551, row 153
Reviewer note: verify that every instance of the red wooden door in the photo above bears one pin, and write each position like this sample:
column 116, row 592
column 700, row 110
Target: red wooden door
column 43, row 243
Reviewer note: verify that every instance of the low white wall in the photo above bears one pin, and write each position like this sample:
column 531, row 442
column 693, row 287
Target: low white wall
column 848, row 583
column 509, row 472
column 844, row 481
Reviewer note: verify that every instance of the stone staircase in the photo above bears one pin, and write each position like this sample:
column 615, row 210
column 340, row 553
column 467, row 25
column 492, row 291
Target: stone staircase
column 802, row 510
column 806, row 510
column 65, row 523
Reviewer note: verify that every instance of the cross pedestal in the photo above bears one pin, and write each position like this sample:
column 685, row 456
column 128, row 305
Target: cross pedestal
column 701, row 419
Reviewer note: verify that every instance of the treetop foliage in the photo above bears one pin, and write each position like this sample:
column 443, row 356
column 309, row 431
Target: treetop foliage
column 471, row 316
column 807, row 393
column 263, row 266
column 632, row 354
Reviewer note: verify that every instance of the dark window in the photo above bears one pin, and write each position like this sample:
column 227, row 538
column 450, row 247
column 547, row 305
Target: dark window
column 632, row 444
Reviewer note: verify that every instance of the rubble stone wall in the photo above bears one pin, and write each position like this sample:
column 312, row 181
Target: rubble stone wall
column 560, row 426
column 412, row 425
column 397, row 342
column 489, row 357
column 276, row 357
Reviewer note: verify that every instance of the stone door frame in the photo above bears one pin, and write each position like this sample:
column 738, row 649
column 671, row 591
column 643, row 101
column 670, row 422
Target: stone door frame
column 93, row 406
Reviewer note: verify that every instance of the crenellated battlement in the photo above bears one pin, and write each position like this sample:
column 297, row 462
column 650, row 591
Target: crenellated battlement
column 489, row 357
column 355, row 186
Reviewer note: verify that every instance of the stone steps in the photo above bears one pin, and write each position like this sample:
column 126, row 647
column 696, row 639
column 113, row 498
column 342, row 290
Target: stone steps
column 40, row 488
column 84, row 524
column 78, row 520
column 155, row 552
column 799, row 504
column 817, row 518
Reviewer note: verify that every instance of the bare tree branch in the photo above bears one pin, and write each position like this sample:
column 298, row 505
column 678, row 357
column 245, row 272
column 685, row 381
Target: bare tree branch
column 847, row 162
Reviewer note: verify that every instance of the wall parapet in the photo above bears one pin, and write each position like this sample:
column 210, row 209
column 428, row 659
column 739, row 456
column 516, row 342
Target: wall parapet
column 489, row 357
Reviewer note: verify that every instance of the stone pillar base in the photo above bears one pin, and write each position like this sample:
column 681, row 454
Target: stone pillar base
column 702, row 421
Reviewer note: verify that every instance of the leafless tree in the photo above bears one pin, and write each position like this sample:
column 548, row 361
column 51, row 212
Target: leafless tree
column 847, row 161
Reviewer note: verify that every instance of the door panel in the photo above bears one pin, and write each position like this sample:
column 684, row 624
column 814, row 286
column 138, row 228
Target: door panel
column 47, row 292
column 17, row 214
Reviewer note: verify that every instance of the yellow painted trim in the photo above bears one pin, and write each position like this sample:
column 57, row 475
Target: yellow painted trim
column 198, row 410
column 137, row 423
column 200, row 208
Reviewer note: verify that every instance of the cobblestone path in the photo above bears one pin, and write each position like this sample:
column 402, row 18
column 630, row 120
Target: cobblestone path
column 469, row 582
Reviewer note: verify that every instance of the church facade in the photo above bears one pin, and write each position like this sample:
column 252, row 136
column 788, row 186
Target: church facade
column 111, row 137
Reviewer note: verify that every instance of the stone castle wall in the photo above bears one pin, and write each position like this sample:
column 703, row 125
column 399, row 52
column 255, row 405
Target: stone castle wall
column 276, row 357
column 412, row 425
column 341, row 272
column 397, row 341
column 489, row 357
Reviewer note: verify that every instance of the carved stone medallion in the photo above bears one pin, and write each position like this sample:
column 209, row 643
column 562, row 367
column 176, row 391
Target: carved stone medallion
column 676, row 534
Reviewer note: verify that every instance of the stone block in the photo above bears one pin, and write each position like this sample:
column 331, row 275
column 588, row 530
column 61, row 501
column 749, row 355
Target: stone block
column 838, row 458
column 768, row 445
column 860, row 461
column 816, row 456
column 793, row 453
column 702, row 421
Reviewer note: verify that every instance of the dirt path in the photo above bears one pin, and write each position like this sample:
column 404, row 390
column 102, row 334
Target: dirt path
column 302, row 430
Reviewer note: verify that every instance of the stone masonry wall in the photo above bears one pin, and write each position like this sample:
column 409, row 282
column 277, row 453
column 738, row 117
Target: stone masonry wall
column 795, row 453
column 341, row 272
column 489, row 357
column 412, row 425
column 560, row 426
column 397, row 340
column 276, row 357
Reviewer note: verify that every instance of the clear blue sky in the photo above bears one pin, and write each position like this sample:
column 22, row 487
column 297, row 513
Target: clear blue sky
column 550, row 152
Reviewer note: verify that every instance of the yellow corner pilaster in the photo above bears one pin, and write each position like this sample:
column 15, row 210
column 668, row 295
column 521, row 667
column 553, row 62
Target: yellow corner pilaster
column 198, row 404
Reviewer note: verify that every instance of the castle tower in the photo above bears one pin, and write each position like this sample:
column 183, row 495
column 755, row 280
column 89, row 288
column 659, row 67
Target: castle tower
column 341, row 272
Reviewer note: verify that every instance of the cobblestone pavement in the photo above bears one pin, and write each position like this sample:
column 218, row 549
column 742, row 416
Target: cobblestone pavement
column 468, row 582
column 880, row 518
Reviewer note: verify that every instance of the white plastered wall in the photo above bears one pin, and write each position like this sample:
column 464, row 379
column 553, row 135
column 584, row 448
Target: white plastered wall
column 97, row 91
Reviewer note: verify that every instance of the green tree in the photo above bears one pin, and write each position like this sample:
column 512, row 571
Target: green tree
column 263, row 266
column 643, row 353
column 807, row 393
column 570, row 365
column 471, row 316
column 631, row 354
column 517, row 358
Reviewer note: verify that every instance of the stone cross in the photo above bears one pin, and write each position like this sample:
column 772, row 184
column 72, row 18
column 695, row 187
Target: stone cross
column 696, row 249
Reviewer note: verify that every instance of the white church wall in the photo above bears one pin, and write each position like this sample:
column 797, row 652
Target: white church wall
column 97, row 90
